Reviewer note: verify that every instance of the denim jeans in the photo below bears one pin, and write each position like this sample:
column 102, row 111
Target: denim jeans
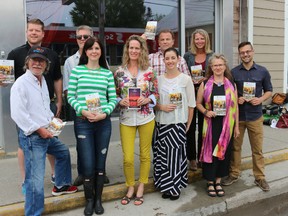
column 92, row 144
column 35, row 149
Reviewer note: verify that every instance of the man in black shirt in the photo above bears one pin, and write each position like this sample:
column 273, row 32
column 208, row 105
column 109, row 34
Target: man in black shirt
column 35, row 35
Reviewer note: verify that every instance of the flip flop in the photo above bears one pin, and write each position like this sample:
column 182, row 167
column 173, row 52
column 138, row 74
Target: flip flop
column 126, row 200
column 138, row 201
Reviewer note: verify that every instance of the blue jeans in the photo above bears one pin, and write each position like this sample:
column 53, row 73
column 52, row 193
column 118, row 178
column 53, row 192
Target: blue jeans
column 92, row 144
column 35, row 149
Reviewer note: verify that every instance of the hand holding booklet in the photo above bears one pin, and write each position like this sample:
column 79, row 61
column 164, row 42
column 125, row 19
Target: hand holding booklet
column 134, row 94
column 56, row 126
column 150, row 30
column 93, row 103
column 7, row 71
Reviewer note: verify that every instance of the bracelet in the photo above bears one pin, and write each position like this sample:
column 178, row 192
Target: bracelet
column 205, row 112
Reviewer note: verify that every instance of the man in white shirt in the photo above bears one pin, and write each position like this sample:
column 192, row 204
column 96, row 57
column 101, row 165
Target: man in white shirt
column 30, row 109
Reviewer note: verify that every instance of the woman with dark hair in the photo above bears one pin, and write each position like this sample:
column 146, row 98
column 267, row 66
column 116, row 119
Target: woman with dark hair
column 173, row 118
column 217, row 100
column 92, row 94
column 136, row 77
column 197, row 61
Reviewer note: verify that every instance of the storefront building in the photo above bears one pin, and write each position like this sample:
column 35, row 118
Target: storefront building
column 228, row 22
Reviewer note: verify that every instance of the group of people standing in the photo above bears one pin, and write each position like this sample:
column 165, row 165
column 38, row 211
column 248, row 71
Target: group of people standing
column 164, row 116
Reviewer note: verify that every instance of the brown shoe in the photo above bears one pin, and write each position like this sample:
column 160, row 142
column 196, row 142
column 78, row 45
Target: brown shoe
column 262, row 183
column 193, row 165
column 229, row 180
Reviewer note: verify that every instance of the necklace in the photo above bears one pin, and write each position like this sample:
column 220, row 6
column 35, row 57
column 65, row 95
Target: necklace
column 218, row 83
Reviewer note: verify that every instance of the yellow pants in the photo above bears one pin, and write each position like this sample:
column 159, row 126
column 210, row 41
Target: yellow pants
column 128, row 134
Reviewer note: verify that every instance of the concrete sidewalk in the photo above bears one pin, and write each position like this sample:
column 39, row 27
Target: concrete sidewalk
column 194, row 200
column 12, row 202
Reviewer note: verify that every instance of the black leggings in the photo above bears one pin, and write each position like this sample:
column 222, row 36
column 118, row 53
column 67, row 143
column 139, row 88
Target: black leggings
column 191, row 136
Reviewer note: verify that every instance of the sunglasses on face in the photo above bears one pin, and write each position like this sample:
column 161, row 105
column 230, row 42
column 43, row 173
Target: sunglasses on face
column 85, row 37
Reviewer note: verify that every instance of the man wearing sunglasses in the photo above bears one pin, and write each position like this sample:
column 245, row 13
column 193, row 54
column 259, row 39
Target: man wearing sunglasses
column 83, row 32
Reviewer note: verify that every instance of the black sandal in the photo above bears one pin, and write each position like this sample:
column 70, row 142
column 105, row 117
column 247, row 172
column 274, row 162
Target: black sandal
column 220, row 192
column 211, row 192
column 138, row 201
column 126, row 200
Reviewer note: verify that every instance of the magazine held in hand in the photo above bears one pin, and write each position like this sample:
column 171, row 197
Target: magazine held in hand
column 219, row 105
column 56, row 126
column 93, row 103
column 7, row 69
column 197, row 73
column 134, row 94
column 249, row 89
column 150, row 30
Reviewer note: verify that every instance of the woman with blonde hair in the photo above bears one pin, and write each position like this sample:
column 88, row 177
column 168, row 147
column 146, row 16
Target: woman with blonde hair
column 197, row 61
column 217, row 100
column 135, row 78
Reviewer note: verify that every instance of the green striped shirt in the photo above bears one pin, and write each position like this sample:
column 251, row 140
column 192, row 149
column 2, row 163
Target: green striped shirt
column 84, row 81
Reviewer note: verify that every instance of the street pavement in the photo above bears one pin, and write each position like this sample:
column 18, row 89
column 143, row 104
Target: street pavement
column 193, row 200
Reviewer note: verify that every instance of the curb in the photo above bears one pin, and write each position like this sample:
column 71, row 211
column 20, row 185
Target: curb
column 245, row 197
column 117, row 191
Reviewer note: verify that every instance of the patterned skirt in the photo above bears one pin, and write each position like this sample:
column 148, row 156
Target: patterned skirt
column 170, row 160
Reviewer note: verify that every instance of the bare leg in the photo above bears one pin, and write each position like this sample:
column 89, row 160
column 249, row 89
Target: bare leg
column 21, row 163
column 139, row 195
column 52, row 163
column 219, row 190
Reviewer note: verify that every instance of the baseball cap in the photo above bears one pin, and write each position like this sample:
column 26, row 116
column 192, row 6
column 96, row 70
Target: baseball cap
column 38, row 52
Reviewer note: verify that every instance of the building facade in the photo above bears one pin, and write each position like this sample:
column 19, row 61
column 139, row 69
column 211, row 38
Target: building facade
column 263, row 22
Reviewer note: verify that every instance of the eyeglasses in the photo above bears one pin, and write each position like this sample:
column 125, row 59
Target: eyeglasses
column 245, row 52
column 216, row 66
column 85, row 37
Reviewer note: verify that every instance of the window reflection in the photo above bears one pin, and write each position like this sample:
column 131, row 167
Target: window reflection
column 123, row 18
column 199, row 14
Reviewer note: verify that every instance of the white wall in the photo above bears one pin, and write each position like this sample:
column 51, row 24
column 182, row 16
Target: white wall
column 12, row 28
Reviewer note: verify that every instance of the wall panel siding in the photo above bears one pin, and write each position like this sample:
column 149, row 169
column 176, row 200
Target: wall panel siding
column 271, row 32
column 236, row 32
column 268, row 38
column 269, row 49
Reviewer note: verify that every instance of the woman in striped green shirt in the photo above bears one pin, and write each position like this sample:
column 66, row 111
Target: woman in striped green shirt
column 92, row 94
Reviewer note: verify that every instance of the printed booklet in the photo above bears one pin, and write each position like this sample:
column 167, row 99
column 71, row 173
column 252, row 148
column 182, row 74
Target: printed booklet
column 176, row 98
column 56, row 126
column 219, row 105
column 7, row 69
column 249, row 89
column 150, row 30
column 196, row 72
column 134, row 94
column 93, row 103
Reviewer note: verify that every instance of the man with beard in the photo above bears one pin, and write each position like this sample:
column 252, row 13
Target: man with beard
column 250, row 74
column 30, row 109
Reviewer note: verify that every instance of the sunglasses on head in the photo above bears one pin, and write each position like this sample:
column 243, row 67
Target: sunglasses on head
column 85, row 37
